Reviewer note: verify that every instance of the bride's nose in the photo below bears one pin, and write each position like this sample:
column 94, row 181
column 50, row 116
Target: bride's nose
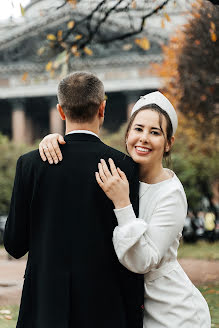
column 144, row 137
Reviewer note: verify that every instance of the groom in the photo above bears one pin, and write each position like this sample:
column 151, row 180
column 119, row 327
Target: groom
column 61, row 217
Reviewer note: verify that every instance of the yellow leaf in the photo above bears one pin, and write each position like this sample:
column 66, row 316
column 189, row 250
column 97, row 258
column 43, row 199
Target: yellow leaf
column 167, row 17
column 51, row 37
column 22, row 10
column 59, row 35
column 49, row 66
column 74, row 49
column 64, row 45
column 40, row 51
column 143, row 43
column 127, row 47
column 71, row 24
column 52, row 73
column 78, row 37
column 73, row 3
column 24, row 76
column 213, row 37
column 203, row 97
column 213, row 27
column 88, row 51
column 162, row 23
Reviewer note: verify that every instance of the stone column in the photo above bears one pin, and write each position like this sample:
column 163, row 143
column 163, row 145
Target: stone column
column 18, row 121
column 55, row 122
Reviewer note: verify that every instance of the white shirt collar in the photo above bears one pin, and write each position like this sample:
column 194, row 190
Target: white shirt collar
column 83, row 131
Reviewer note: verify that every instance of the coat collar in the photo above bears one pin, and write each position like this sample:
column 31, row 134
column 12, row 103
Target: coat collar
column 81, row 137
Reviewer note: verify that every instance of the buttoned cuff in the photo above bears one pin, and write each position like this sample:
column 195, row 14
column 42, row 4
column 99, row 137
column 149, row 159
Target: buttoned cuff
column 125, row 215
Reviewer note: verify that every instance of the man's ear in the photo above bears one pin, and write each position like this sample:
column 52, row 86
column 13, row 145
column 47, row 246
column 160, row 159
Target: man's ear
column 61, row 112
column 101, row 110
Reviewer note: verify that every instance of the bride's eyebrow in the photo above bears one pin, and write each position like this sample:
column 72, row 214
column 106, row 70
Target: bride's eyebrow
column 153, row 128
column 141, row 126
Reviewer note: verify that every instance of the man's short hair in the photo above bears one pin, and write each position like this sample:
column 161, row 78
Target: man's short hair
column 80, row 94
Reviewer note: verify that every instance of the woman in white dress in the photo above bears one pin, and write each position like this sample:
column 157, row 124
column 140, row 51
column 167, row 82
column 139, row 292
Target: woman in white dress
column 148, row 244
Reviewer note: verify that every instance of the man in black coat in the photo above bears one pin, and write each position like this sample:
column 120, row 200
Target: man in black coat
column 61, row 217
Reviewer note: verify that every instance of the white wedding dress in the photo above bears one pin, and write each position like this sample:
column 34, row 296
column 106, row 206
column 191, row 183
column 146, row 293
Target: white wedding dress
column 149, row 244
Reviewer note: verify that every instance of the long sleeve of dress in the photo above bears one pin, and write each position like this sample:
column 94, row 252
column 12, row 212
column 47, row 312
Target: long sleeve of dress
column 139, row 245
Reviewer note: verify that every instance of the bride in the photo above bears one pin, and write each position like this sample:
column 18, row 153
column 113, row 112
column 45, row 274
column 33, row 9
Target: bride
column 149, row 244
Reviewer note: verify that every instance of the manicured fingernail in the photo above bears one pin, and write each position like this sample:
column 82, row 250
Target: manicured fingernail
column 50, row 162
column 56, row 162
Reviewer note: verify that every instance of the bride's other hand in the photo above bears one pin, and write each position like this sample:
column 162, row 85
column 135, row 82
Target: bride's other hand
column 114, row 183
column 49, row 148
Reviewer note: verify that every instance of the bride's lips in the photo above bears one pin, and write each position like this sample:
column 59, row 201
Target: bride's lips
column 143, row 151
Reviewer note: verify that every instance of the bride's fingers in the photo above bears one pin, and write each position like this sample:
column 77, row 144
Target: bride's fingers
column 122, row 174
column 42, row 155
column 101, row 172
column 113, row 167
column 105, row 169
column 57, row 151
column 47, row 154
column 52, row 152
column 61, row 139
column 99, row 181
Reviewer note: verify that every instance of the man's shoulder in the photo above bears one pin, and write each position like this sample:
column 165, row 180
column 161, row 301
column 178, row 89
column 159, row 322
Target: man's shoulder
column 30, row 156
column 119, row 155
column 124, row 161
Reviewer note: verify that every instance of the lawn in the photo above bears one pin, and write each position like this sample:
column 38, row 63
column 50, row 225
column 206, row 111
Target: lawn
column 200, row 250
column 210, row 293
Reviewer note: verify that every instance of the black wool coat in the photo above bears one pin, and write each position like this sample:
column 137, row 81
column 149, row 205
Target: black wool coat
column 62, row 218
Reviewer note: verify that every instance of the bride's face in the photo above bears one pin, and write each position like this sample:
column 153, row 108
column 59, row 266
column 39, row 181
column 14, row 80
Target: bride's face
column 146, row 142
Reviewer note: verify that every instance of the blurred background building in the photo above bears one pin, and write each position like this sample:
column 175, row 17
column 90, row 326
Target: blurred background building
column 28, row 92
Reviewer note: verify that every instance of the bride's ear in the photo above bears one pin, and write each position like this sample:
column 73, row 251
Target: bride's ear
column 169, row 144
column 61, row 112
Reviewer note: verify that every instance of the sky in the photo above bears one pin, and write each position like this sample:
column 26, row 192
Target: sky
column 11, row 8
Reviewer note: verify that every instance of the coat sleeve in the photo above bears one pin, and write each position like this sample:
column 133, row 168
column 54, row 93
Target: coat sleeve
column 134, row 188
column 16, row 235
column 140, row 246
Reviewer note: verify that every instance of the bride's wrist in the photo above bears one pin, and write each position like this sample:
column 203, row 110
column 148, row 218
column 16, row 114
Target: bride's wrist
column 122, row 203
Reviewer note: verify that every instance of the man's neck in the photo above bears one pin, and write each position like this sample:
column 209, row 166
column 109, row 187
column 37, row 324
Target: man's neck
column 70, row 126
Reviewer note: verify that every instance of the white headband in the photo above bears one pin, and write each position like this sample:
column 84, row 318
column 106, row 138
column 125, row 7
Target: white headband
column 159, row 99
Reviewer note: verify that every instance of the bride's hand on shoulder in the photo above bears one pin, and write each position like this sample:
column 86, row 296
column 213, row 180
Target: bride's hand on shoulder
column 49, row 148
column 114, row 183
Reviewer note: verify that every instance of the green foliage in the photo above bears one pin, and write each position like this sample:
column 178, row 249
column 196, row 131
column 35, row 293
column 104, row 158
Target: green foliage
column 210, row 293
column 201, row 250
column 115, row 140
column 196, row 170
column 9, row 321
column 9, row 153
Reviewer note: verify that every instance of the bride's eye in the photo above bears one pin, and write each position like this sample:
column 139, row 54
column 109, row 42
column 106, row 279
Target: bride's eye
column 138, row 129
column 156, row 133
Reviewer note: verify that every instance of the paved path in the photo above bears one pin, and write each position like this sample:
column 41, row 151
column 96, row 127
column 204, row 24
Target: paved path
column 12, row 272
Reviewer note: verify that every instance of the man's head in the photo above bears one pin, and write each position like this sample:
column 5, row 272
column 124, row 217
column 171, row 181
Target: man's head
column 81, row 95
